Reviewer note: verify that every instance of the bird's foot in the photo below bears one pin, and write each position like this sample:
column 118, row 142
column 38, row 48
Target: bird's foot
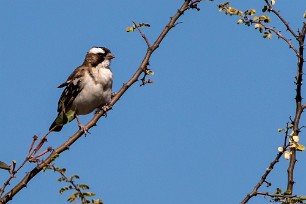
column 83, row 128
column 104, row 109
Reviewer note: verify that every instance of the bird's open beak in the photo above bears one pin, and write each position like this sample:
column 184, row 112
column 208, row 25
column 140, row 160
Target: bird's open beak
column 110, row 56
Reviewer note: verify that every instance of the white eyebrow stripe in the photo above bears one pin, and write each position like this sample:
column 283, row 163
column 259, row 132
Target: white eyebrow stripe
column 96, row 50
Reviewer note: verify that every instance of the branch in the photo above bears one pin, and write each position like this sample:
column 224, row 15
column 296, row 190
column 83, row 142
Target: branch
column 268, row 170
column 263, row 179
column 270, row 8
column 188, row 4
column 299, row 106
column 281, row 36
column 142, row 34
column 275, row 195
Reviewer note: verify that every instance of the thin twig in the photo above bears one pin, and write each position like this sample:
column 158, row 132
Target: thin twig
column 268, row 170
column 288, row 41
column 142, row 34
column 270, row 8
column 276, row 195
column 75, row 186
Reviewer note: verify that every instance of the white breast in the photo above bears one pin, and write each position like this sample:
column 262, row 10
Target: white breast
column 95, row 92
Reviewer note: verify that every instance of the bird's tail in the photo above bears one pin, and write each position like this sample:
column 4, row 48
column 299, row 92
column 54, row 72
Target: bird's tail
column 55, row 127
column 61, row 119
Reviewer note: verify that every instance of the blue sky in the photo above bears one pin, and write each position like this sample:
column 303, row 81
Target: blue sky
column 204, row 131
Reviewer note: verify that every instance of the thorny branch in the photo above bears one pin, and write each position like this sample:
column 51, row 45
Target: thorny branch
column 142, row 34
column 268, row 170
column 299, row 107
column 270, row 8
column 188, row 4
column 30, row 157
column 300, row 37
column 288, row 41
column 275, row 195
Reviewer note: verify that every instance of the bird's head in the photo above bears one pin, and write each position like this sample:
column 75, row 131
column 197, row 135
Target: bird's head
column 99, row 55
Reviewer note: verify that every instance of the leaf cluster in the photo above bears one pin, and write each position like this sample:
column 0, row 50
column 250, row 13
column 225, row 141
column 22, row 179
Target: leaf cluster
column 286, row 198
column 80, row 191
column 249, row 18
column 135, row 26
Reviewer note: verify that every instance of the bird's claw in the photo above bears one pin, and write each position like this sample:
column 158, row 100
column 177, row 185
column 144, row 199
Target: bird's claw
column 105, row 108
column 84, row 129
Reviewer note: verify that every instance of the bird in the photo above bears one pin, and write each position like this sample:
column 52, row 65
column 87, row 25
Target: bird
column 88, row 87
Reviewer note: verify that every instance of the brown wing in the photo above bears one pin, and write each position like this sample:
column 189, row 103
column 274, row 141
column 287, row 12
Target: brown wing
column 73, row 88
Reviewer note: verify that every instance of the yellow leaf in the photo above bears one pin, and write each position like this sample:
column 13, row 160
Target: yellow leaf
column 272, row 2
column 287, row 155
column 149, row 72
column 257, row 25
column 304, row 15
column 265, row 18
column 269, row 35
column 239, row 21
column 300, row 147
column 252, row 12
column 295, row 138
column 130, row 29
column 262, row 18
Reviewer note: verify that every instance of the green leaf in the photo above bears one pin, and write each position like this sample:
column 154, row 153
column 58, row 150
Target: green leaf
column 144, row 25
column 61, row 179
column 98, row 201
column 54, row 157
column 280, row 129
column 90, row 194
column 62, row 190
column 264, row 9
column 4, row 166
column 84, row 186
column 72, row 197
column 287, row 192
column 303, row 197
column 74, row 177
column 267, row 35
